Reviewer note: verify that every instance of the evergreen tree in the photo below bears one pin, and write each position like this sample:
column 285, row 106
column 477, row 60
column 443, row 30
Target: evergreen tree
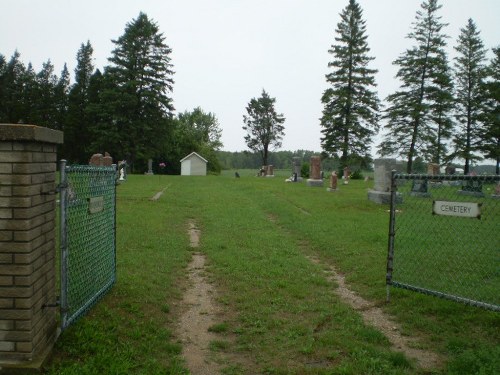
column 470, row 72
column 61, row 93
column 99, row 119
column 350, row 115
column 490, row 144
column 13, row 91
column 77, row 127
column 3, row 72
column 416, row 111
column 30, row 96
column 141, row 76
column 264, row 126
column 440, row 106
column 45, row 105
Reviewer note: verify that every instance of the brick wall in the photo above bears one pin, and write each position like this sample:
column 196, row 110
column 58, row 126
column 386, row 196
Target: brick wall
column 27, row 242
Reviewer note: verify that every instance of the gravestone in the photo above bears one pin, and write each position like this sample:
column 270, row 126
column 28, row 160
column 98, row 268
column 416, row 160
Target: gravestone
column 270, row 171
column 150, row 166
column 98, row 160
column 347, row 172
column 296, row 169
column 433, row 169
column 497, row 191
column 262, row 172
column 419, row 188
column 450, row 170
column 122, row 167
column 107, row 160
column 333, row 182
column 381, row 193
column 472, row 187
column 315, row 179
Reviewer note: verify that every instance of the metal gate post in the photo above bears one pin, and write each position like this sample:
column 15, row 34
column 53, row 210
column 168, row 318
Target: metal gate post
column 63, row 243
column 115, row 167
column 392, row 219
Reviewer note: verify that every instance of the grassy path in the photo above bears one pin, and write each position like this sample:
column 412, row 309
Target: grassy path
column 278, row 308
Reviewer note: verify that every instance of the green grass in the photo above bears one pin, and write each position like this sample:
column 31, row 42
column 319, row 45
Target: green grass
column 456, row 255
column 279, row 307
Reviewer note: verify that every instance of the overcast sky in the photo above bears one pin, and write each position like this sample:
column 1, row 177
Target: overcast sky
column 226, row 51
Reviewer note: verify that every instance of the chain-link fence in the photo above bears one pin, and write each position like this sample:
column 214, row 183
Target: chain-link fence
column 88, row 260
column 444, row 237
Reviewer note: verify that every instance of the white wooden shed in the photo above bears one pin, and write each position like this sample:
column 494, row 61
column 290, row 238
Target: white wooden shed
column 194, row 165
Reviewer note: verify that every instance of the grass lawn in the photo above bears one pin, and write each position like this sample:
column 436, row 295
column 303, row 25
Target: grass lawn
column 278, row 307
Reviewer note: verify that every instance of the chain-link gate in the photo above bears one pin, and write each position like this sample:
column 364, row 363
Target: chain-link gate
column 88, row 237
column 444, row 237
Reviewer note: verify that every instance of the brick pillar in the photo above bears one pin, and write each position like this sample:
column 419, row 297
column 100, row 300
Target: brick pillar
column 28, row 329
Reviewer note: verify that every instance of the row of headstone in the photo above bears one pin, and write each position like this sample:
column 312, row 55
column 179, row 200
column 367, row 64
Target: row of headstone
column 99, row 160
column 420, row 187
column 316, row 174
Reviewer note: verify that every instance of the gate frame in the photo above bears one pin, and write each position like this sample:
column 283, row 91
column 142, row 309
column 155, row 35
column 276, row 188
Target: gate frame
column 63, row 299
column 392, row 235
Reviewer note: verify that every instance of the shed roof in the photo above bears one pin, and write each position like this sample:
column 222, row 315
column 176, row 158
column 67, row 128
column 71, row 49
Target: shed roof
column 196, row 154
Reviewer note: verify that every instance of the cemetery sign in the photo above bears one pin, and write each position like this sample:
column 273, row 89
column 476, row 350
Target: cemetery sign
column 461, row 209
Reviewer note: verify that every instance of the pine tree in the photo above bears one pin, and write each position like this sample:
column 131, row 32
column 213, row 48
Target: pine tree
column 264, row 126
column 13, row 91
column 350, row 115
column 470, row 72
column 30, row 96
column 3, row 72
column 490, row 144
column 76, row 129
column 141, row 74
column 98, row 118
column 416, row 112
column 440, row 107
column 61, row 93
column 45, row 105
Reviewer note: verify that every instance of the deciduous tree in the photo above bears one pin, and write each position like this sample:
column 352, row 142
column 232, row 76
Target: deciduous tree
column 264, row 126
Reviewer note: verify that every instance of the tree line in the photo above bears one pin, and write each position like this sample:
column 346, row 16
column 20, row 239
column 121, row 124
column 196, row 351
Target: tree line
column 440, row 113
column 125, row 110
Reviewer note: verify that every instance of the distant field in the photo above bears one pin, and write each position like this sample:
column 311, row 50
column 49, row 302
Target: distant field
column 279, row 309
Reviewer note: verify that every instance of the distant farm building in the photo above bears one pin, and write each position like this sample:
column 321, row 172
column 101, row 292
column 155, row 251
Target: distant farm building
column 194, row 165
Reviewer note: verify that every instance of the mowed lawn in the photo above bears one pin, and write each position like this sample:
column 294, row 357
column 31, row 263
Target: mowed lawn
column 279, row 310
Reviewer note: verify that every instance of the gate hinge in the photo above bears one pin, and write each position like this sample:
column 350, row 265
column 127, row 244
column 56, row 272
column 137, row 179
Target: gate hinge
column 56, row 304
column 58, row 189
